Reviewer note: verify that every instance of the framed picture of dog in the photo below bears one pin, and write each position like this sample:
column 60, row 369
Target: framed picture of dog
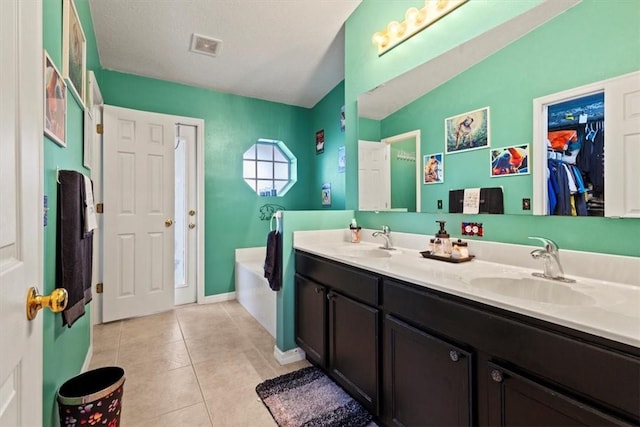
column 467, row 131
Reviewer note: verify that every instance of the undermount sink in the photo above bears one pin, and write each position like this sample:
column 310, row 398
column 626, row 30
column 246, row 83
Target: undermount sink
column 533, row 289
column 364, row 252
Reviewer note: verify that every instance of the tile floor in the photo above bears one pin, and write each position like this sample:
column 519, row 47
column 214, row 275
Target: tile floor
column 196, row 365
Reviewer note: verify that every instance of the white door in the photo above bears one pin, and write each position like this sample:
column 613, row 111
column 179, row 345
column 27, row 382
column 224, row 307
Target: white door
column 21, row 254
column 622, row 147
column 138, row 188
column 374, row 176
column 186, row 223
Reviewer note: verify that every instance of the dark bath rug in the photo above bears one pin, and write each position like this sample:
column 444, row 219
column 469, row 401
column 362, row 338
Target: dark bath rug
column 308, row 398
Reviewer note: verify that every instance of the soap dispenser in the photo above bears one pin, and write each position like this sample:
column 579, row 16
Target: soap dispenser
column 355, row 231
column 443, row 236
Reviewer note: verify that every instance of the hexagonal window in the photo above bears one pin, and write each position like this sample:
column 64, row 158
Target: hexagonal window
column 269, row 168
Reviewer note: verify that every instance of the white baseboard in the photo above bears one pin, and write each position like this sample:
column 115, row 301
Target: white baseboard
column 210, row 299
column 87, row 359
column 289, row 356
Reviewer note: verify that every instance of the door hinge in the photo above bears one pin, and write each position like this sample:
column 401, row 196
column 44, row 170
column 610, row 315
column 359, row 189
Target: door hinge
column 99, row 208
column 99, row 128
column 99, row 288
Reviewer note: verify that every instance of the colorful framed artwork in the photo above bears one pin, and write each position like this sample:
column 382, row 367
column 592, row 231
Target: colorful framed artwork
column 433, row 167
column 509, row 161
column 468, row 131
column 326, row 194
column 320, row 141
column 74, row 52
column 55, row 103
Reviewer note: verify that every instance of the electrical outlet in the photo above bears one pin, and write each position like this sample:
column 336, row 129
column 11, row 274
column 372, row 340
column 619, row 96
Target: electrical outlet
column 526, row 204
column 439, row 204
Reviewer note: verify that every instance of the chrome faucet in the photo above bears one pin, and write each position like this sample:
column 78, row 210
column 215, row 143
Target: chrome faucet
column 550, row 254
column 386, row 234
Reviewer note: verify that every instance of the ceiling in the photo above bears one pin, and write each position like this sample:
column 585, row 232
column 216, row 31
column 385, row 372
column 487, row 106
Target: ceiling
column 287, row 51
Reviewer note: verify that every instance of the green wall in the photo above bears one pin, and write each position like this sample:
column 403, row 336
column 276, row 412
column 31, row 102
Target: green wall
column 403, row 175
column 326, row 115
column 64, row 349
column 540, row 63
column 232, row 124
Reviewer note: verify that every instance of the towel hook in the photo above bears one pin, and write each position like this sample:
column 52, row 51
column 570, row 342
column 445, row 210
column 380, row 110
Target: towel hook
column 276, row 216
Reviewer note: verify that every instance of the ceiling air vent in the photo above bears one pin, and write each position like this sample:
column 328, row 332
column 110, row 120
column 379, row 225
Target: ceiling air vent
column 205, row 45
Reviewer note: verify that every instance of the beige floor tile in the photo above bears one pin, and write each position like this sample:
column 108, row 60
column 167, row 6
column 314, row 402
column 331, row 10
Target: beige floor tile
column 262, row 366
column 208, row 348
column 197, row 365
column 147, row 396
column 106, row 336
column 144, row 334
column 239, row 408
column 154, row 356
column 202, row 328
column 103, row 358
column 191, row 416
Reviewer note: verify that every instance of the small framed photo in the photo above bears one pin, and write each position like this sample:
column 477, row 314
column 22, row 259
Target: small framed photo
column 55, row 103
column 433, row 167
column 320, row 141
column 509, row 161
column 326, row 194
column 74, row 52
column 343, row 119
column 342, row 159
column 468, row 131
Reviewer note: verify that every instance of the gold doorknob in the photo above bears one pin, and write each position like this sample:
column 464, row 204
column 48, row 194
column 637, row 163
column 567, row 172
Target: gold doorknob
column 168, row 223
column 57, row 301
column 192, row 225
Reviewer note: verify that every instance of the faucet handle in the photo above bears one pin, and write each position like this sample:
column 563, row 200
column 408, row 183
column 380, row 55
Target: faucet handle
column 549, row 244
column 386, row 229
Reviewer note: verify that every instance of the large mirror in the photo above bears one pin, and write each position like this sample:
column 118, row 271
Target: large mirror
column 508, row 81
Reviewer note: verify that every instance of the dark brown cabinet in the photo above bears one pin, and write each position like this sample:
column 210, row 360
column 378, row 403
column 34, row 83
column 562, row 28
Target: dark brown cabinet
column 338, row 323
column 310, row 315
column 443, row 360
column 353, row 348
column 427, row 381
column 515, row 400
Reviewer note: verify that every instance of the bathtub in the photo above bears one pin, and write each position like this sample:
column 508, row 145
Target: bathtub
column 252, row 289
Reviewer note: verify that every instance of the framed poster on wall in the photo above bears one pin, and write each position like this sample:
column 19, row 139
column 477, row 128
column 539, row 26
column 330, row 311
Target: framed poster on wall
column 74, row 52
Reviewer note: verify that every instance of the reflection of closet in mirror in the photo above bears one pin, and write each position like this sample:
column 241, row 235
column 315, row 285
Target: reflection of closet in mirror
column 389, row 173
column 601, row 177
column 575, row 156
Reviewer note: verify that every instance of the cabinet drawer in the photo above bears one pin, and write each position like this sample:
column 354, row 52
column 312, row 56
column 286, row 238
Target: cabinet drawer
column 348, row 280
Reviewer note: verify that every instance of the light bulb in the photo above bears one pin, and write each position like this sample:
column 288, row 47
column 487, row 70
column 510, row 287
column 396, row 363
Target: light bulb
column 395, row 28
column 411, row 15
column 380, row 39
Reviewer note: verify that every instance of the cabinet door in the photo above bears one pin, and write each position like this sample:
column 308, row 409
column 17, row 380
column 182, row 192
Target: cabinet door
column 514, row 400
column 311, row 319
column 353, row 348
column 427, row 381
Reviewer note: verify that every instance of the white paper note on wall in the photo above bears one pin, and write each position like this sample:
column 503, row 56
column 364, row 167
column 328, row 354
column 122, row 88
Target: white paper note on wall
column 471, row 204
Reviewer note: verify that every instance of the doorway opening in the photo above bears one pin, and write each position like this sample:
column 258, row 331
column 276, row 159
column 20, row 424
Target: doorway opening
column 185, row 249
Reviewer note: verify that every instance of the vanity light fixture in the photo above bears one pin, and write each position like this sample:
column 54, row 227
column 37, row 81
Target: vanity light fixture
column 415, row 20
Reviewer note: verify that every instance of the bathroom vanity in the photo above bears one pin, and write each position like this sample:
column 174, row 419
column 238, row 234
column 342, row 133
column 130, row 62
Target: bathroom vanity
column 413, row 342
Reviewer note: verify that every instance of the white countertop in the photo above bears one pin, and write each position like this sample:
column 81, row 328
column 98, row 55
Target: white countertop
column 608, row 309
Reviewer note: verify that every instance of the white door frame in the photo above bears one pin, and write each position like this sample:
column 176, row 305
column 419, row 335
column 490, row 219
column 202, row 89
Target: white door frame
column 97, row 178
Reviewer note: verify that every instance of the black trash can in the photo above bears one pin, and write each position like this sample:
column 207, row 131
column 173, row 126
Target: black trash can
column 93, row 398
